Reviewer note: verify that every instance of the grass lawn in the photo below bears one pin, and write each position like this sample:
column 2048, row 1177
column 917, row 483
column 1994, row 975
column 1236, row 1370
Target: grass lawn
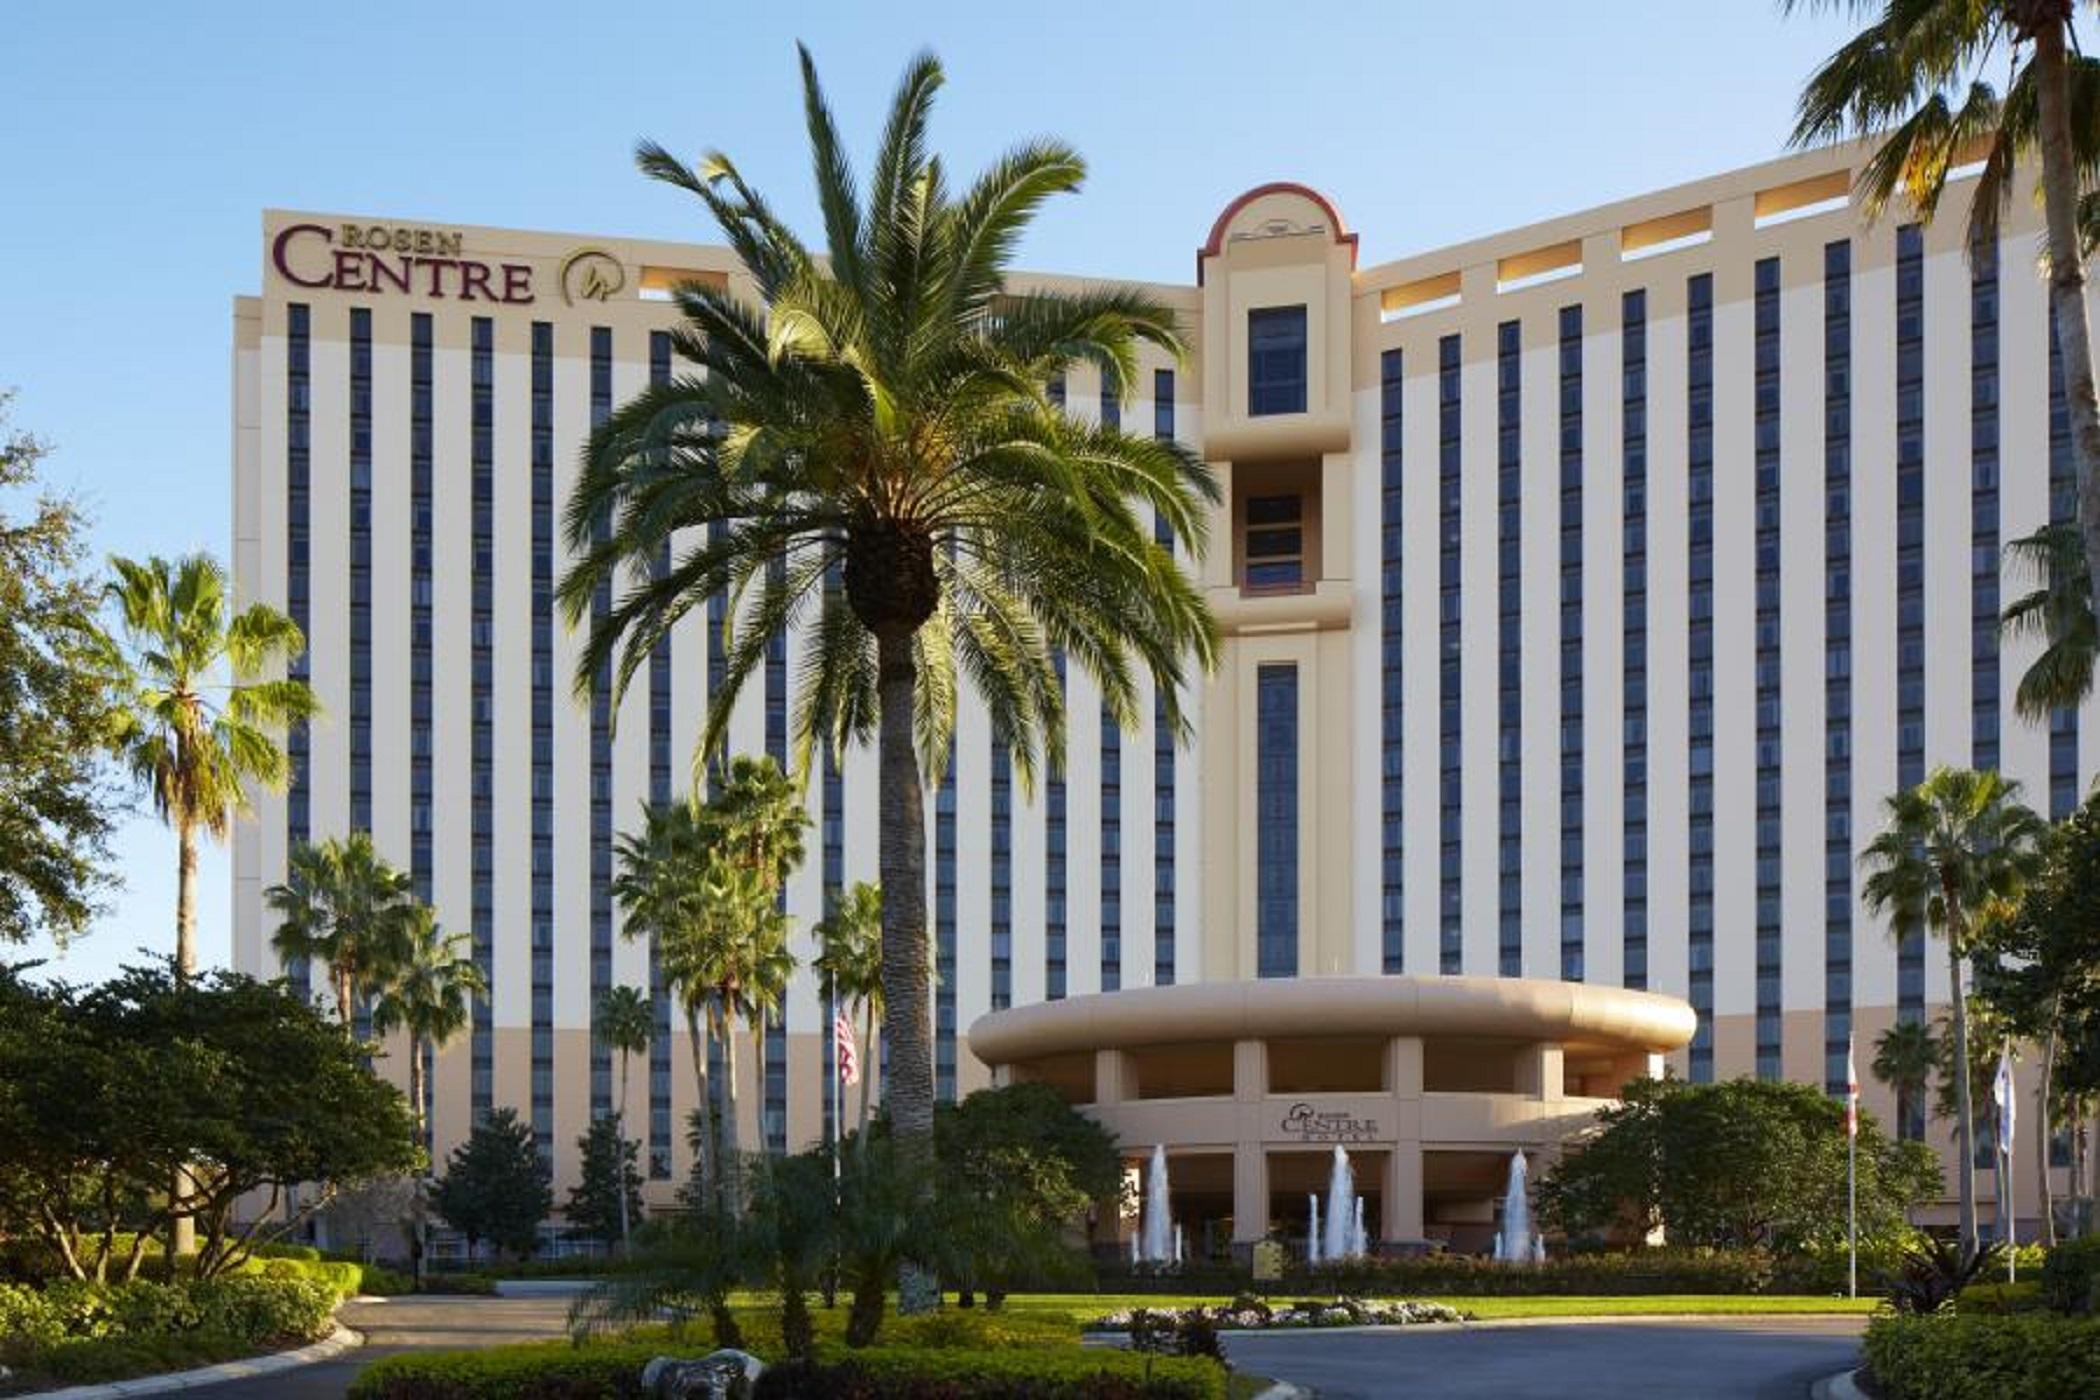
column 1084, row 1307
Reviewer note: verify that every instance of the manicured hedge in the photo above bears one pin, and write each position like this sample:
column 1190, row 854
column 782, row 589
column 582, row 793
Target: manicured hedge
column 1952, row 1356
column 1638, row 1272
column 1027, row 1374
column 70, row 1331
column 612, row 1371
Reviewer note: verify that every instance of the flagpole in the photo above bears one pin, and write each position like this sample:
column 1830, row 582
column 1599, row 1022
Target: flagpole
column 2005, row 1167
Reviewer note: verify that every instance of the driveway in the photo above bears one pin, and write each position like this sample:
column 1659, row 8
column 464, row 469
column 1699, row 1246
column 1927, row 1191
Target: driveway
column 405, row 1324
column 1724, row 1358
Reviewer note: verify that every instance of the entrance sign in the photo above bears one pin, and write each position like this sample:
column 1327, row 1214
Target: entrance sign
column 1305, row 1123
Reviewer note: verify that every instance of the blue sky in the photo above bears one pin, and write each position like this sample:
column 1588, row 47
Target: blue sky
column 143, row 141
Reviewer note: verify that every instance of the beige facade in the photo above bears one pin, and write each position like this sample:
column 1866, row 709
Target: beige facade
column 1429, row 1084
column 1573, row 691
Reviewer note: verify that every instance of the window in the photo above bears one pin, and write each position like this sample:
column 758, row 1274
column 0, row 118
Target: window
column 1275, row 360
column 1276, row 821
column 1274, row 547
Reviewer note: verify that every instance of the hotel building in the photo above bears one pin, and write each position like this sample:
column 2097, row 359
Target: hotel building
column 1585, row 588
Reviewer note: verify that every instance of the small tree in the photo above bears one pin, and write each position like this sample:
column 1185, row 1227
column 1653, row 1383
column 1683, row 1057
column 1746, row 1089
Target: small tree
column 496, row 1187
column 1905, row 1056
column 105, row 1093
column 55, row 711
column 1019, row 1167
column 597, row 1204
column 1739, row 1164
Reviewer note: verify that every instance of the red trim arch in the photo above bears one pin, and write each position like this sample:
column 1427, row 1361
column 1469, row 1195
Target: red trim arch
column 1216, row 242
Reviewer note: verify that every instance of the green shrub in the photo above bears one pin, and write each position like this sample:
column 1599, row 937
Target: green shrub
column 978, row 1329
column 144, row 1308
column 1997, row 1299
column 1647, row 1271
column 27, row 1318
column 1956, row 1356
column 306, row 1253
column 263, row 1310
column 382, row 1282
column 887, row 1373
column 612, row 1371
column 91, row 1360
column 343, row 1278
column 2071, row 1275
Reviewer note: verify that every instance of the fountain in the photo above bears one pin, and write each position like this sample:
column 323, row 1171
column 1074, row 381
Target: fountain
column 1159, row 1219
column 1344, row 1213
column 1312, row 1227
column 1517, row 1243
column 1358, row 1245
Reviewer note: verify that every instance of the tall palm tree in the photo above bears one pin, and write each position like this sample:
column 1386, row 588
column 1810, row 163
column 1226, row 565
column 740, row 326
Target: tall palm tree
column 659, row 871
column 1905, row 1056
column 429, row 992
column 1912, row 80
column 203, row 720
column 739, row 921
column 344, row 905
column 849, row 960
column 2058, row 612
column 624, row 1021
column 882, row 414
column 765, row 989
column 1951, row 845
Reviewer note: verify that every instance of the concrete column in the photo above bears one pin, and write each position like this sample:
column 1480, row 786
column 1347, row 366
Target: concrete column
column 1112, row 1078
column 1541, row 1071
column 1402, row 1221
column 1403, row 1067
column 1250, row 1071
column 1250, row 1195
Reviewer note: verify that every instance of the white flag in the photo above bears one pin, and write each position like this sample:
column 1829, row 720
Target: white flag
column 1851, row 1092
column 2002, row 1095
column 849, row 1053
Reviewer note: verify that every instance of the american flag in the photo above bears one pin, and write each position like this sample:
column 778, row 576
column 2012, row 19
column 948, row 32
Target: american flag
column 849, row 1053
column 1851, row 1092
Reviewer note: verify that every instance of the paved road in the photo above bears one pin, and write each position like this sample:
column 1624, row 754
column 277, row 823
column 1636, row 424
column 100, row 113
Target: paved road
column 403, row 1324
column 1727, row 1359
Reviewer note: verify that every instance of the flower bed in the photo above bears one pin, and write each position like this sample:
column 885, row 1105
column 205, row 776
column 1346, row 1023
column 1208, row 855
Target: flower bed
column 1250, row 1314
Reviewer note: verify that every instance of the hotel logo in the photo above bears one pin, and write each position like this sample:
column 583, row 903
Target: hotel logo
column 591, row 274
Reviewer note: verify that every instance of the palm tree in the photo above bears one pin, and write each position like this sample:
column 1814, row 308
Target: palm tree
column 1951, row 845
column 850, row 962
column 202, row 721
column 658, row 881
column 2058, row 612
column 1905, row 1056
column 624, row 1021
column 1911, row 80
column 738, row 921
column 345, row 906
column 765, row 989
column 429, row 992
column 881, row 416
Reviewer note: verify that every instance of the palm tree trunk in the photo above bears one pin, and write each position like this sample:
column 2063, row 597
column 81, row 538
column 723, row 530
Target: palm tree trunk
column 907, row 1028
column 418, row 1091
column 620, row 1158
column 732, row 1160
column 186, row 900
column 2060, row 192
column 758, row 1060
column 1964, row 1124
column 2042, row 1131
column 704, row 1139
column 182, row 1230
column 343, row 996
column 867, row 1063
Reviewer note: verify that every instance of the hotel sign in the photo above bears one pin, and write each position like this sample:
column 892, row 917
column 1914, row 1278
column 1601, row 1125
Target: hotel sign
column 382, row 259
column 1304, row 1123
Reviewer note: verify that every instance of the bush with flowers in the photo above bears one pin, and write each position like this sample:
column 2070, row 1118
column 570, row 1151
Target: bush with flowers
column 1247, row 1313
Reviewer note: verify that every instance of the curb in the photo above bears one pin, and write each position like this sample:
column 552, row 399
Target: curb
column 1497, row 1324
column 1838, row 1387
column 342, row 1339
column 1283, row 1390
